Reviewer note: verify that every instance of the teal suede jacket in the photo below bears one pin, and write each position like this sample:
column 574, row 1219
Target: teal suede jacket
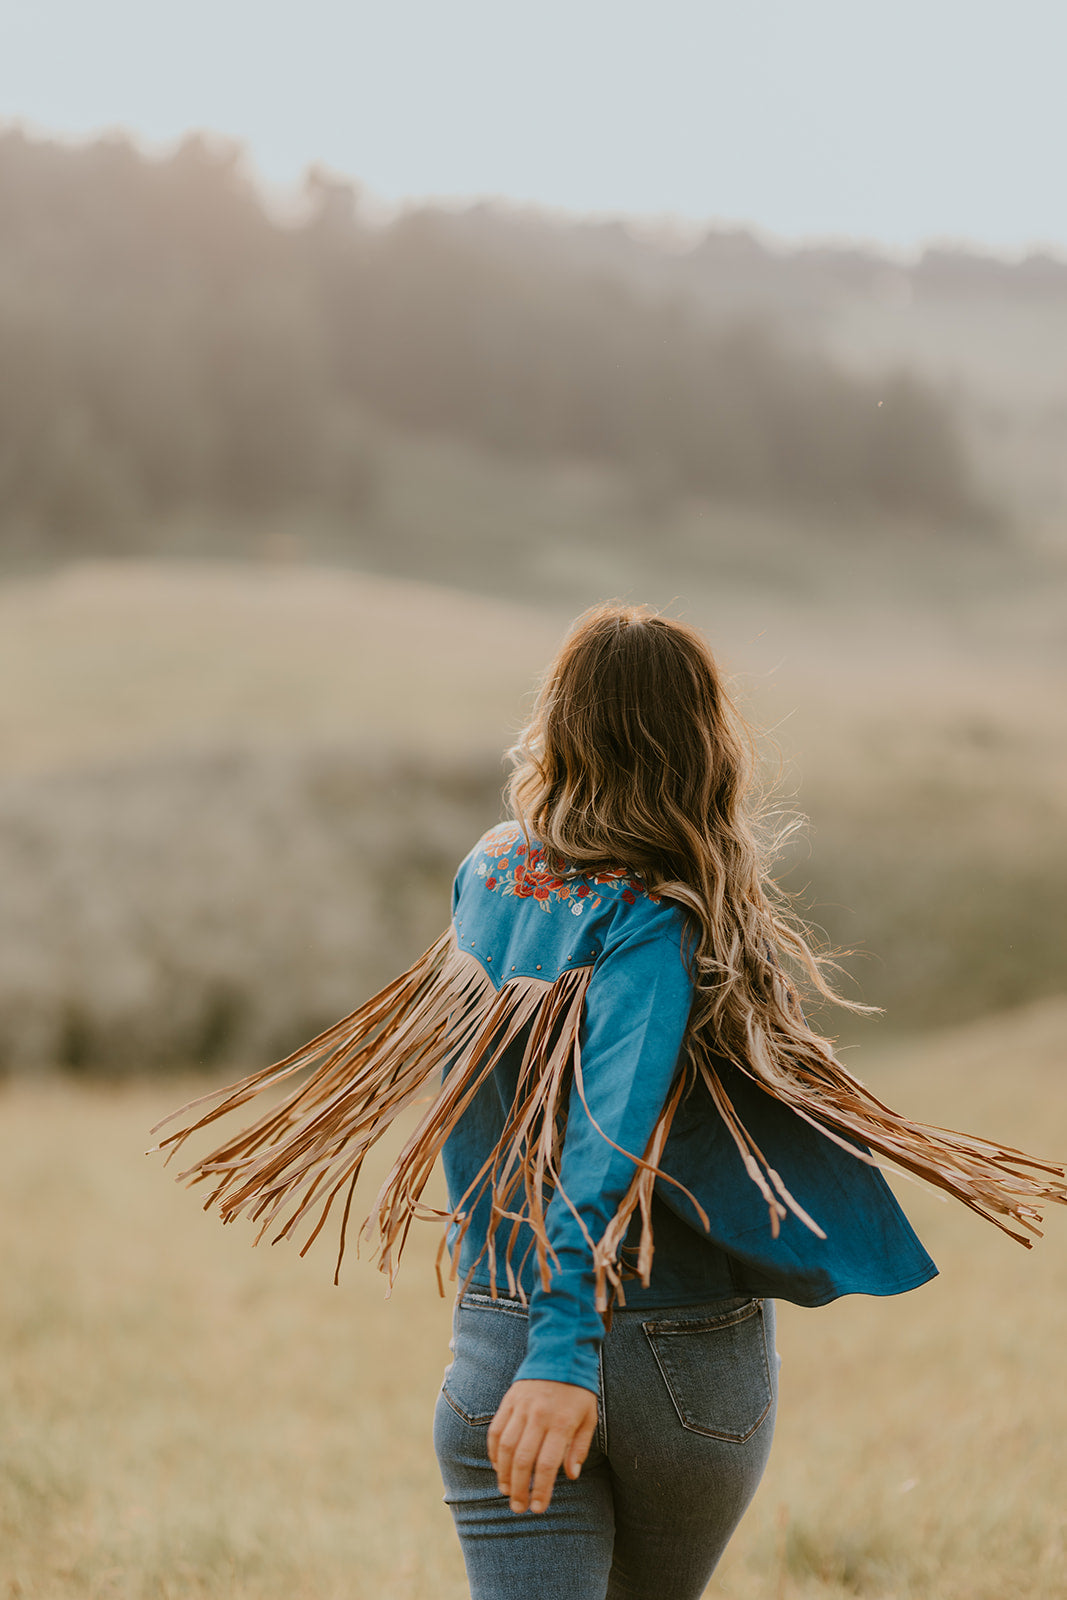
column 520, row 922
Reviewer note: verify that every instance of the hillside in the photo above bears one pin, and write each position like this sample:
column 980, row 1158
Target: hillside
column 233, row 796
column 117, row 662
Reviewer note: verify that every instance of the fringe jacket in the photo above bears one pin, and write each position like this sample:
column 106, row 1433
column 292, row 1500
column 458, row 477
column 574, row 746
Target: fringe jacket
column 547, row 1027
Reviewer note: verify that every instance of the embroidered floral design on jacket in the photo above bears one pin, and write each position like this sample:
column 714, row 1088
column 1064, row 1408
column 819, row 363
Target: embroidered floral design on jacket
column 509, row 867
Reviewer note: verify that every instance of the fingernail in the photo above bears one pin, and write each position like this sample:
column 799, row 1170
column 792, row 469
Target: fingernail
column 535, row 1505
column 516, row 1505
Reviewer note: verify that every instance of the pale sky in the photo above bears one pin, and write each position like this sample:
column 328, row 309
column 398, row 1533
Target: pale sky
column 900, row 122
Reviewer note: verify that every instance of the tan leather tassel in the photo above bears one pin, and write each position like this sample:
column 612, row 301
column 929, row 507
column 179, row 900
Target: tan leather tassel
column 992, row 1179
column 638, row 1197
column 290, row 1166
column 299, row 1156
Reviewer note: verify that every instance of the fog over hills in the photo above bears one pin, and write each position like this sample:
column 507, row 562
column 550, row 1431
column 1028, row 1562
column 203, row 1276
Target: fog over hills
column 293, row 507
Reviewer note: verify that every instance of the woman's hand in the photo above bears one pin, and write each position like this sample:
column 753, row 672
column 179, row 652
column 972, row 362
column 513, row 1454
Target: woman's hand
column 540, row 1427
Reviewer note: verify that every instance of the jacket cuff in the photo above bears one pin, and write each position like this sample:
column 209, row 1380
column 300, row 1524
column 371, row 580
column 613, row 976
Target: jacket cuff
column 582, row 1372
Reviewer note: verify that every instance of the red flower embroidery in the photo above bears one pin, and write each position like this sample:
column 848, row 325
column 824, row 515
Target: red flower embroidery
column 513, row 868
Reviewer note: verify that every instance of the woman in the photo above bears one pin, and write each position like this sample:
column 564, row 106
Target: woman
column 645, row 1143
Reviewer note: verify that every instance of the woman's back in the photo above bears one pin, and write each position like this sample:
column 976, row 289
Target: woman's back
column 541, row 936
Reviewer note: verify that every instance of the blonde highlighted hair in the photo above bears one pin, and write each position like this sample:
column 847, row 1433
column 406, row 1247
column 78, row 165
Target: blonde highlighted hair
column 636, row 756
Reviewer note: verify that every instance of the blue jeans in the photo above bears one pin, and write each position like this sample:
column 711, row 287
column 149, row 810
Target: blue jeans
column 686, row 1414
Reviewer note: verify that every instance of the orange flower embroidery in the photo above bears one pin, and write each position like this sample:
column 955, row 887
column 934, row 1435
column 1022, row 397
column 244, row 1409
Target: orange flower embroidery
column 508, row 867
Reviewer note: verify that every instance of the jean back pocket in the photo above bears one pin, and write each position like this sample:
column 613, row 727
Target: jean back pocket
column 716, row 1370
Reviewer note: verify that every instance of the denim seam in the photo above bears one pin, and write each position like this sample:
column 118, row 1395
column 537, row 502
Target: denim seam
column 484, row 1302
column 480, row 1421
column 601, row 1406
column 726, row 1319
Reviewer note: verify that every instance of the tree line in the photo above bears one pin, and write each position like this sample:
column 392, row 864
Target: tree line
column 168, row 340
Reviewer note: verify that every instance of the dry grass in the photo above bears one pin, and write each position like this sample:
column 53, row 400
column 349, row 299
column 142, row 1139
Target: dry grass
column 105, row 662
column 110, row 660
column 183, row 1416
column 220, row 906
column 187, row 1417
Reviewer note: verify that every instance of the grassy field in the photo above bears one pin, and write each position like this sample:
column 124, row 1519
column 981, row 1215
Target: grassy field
column 117, row 661
column 232, row 795
column 112, row 661
column 182, row 1416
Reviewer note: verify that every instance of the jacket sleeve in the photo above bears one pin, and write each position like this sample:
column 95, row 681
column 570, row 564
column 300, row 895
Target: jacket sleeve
column 636, row 1011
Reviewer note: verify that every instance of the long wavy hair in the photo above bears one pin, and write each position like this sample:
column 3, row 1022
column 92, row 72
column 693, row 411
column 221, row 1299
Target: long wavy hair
column 636, row 757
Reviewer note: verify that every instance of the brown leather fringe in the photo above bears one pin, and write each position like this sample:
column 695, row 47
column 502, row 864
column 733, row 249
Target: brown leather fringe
column 290, row 1165
column 992, row 1179
column 304, row 1152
